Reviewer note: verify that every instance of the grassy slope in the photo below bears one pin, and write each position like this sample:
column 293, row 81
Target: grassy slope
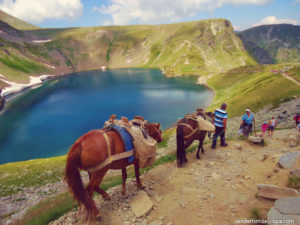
column 207, row 46
column 254, row 87
column 17, row 61
column 15, row 22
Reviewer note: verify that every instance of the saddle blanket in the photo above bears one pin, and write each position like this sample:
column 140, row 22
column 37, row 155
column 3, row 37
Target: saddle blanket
column 127, row 139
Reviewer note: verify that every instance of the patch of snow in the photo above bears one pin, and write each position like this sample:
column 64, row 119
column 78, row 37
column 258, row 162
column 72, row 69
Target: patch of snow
column 16, row 87
column 42, row 41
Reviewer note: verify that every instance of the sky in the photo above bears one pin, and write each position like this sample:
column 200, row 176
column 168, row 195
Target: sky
column 243, row 14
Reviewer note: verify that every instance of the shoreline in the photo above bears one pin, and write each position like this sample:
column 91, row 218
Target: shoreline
column 16, row 88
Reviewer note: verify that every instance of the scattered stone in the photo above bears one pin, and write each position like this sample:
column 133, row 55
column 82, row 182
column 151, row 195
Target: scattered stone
column 182, row 204
column 275, row 215
column 255, row 140
column 275, row 192
column 156, row 222
column 265, row 157
column 188, row 190
column 158, row 198
column 289, row 160
column 293, row 140
column 238, row 146
column 215, row 176
column 141, row 204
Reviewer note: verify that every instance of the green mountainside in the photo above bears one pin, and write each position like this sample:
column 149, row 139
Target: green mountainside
column 273, row 43
column 255, row 87
column 198, row 48
column 15, row 22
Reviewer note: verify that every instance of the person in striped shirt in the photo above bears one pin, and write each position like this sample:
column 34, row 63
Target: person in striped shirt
column 220, row 119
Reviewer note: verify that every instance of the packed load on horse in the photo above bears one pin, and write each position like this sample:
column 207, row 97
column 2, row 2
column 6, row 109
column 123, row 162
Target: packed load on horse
column 192, row 127
column 119, row 144
column 144, row 145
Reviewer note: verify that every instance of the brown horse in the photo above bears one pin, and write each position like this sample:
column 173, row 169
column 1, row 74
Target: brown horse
column 187, row 132
column 90, row 150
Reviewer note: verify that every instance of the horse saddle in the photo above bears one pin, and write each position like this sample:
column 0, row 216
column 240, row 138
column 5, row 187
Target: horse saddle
column 126, row 138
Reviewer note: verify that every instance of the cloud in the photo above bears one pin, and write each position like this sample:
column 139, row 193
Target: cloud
column 297, row 1
column 40, row 10
column 275, row 20
column 123, row 12
column 236, row 27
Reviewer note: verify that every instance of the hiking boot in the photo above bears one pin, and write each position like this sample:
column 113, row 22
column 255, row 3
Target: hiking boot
column 224, row 145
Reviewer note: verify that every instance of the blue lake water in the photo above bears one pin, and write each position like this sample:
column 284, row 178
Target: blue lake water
column 45, row 121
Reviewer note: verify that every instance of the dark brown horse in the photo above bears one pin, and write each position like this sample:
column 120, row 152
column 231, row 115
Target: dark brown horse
column 89, row 151
column 187, row 132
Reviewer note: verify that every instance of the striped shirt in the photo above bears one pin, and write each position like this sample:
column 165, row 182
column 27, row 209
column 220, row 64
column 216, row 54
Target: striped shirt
column 220, row 115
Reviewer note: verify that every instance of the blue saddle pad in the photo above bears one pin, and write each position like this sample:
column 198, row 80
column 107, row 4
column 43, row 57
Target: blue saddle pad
column 127, row 139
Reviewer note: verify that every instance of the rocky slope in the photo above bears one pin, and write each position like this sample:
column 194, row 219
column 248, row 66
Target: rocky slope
column 273, row 43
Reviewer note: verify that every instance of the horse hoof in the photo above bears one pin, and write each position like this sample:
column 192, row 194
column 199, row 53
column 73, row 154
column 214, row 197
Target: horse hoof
column 107, row 198
column 99, row 218
column 198, row 157
column 142, row 187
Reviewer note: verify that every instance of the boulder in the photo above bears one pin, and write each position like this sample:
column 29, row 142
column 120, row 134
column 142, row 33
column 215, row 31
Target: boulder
column 288, row 206
column 293, row 140
column 275, row 192
column 290, row 160
column 275, row 215
column 238, row 146
column 256, row 140
column 141, row 204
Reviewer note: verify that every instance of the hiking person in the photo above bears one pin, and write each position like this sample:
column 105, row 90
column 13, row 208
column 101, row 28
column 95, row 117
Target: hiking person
column 247, row 123
column 264, row 128
column 219, row 120
column 271, row 126
column 297, row 119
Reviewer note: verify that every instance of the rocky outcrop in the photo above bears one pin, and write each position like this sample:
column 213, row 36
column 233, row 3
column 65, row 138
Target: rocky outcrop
column 275, row 192
column 2, row 100
column 289, row 160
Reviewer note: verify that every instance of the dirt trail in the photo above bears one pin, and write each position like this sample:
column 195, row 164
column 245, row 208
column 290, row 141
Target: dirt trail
column 290, row 78
column 218, row 189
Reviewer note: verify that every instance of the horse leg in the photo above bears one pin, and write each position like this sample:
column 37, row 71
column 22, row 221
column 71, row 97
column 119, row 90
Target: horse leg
column 124, row 177
column 100, row 191
column 188, row 142
column 104, row 194
column 95, row 179
column 199, row 146
column 137, row 175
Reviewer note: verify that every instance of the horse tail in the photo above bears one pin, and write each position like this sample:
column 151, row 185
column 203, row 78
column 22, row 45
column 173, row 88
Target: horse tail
column 180, row 145
column 74, row 181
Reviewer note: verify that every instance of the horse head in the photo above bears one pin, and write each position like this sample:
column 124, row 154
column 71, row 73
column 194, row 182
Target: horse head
column 210, row 114
column 154, row 131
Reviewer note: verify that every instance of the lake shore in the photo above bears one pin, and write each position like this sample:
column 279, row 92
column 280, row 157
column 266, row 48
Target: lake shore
column 15, row 88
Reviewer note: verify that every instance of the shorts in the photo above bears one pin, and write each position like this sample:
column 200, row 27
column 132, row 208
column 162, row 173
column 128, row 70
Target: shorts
column 271, row 128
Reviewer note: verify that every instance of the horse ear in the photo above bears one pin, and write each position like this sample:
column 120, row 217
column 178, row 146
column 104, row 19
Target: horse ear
column 158, row 126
